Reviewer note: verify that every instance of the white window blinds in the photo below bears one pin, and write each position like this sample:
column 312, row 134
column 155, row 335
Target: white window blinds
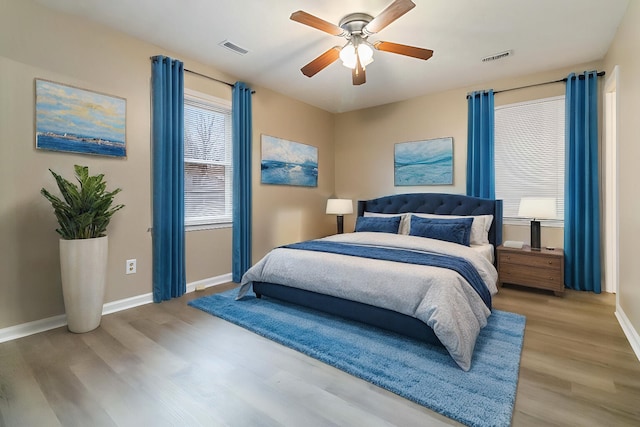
column 529, row 153
column 207, row 160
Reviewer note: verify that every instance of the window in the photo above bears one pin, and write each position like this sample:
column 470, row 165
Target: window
column 529, row 154
column 207, row 161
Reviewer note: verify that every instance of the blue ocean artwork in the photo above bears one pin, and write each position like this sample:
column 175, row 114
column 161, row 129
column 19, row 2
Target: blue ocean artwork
column 288, row 163
column 79, row 121
column 427, row 162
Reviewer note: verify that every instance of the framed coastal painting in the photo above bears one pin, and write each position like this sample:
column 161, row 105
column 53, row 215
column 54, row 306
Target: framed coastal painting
column 79, row 121
column 428, row 162
column 288, row 162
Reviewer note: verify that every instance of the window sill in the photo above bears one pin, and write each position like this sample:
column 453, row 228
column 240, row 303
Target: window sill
column 527, row 222
column 202, row 227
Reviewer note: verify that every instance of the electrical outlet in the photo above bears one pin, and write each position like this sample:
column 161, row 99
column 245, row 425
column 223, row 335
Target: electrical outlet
column 131, row 266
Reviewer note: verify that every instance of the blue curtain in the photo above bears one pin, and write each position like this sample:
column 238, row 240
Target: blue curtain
column 167, row 86
column 481, row 180
column 582, row 208
column 242, row 145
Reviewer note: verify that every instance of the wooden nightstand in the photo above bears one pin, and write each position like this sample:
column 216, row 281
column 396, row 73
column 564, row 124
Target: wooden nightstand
column 543, row 269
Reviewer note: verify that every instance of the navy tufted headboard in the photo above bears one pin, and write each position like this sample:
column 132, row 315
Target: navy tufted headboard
column 439, row 203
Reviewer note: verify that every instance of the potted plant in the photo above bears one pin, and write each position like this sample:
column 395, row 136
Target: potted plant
column 83, row 215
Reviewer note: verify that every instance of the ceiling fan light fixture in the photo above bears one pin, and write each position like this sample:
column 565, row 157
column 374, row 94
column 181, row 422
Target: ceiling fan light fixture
column 348, row 55
column 357, row 53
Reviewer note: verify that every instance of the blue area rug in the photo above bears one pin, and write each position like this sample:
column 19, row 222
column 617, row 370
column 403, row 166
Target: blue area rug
column 483, row 396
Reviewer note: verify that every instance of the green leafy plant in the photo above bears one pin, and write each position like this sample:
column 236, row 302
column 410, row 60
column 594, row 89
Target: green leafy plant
column 85, row 212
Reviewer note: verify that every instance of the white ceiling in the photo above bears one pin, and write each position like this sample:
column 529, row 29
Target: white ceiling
column 543, row 34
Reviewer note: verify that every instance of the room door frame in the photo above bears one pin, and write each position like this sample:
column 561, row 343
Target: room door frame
column 611, row 214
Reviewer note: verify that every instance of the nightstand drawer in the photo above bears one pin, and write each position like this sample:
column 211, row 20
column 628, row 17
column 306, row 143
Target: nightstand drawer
column 543, row 269
column 536, row 277
column 547, row 262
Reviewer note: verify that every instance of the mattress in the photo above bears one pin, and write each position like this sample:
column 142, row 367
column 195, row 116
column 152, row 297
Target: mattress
column 439, row 297
column 486, row 251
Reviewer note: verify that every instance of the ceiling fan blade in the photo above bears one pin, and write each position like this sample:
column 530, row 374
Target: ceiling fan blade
column 358, row 76
column 403, row 49
column 317, row 23
column 394, row 11
column 321, row 62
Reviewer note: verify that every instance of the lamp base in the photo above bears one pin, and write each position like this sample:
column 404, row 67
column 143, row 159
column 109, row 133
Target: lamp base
column 535, row 235
column 340, row 224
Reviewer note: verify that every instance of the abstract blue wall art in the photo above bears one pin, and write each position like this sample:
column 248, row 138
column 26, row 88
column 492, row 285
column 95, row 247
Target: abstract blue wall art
column 288, row 163
column 79, row 121
column 427, row 162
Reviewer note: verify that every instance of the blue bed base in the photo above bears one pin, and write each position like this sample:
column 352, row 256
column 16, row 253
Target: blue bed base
column 433, row 203
column 352, row 310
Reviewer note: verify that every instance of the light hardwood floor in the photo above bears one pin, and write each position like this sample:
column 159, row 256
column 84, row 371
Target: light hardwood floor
column 172, row 365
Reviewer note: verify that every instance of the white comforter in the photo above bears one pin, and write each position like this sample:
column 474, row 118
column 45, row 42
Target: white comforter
column 439, row 297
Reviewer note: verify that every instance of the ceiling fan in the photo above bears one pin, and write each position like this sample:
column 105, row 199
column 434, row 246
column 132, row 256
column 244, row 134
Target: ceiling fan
column 357, row 53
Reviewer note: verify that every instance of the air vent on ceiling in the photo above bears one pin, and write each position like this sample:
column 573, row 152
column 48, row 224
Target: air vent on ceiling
column 233, row 47
column 497, row 56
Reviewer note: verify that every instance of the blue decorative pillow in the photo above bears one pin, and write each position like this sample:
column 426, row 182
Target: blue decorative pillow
column 378, row 224
column 456, row 230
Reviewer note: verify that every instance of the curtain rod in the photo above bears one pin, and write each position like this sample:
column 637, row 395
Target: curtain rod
column 580, row 77
column 208, row 77
column 213, row 78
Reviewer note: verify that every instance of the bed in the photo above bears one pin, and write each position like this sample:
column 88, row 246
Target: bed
column 442, row 306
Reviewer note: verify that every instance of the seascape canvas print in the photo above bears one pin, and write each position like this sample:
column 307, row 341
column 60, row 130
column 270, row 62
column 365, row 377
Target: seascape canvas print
column 288, row 163
column 80, row 121
column 427, row 162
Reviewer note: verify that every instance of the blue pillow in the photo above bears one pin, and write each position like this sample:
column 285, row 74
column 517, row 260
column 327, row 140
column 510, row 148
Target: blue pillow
column 378, row 224
column 456, row 230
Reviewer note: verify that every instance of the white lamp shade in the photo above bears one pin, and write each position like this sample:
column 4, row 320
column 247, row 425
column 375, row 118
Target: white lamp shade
column 538, row 208
column 348, row 55
column 339, row 206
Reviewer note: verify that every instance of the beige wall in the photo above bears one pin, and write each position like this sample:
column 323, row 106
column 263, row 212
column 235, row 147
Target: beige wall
column 38, row 43
column 365, row 139
column 623, row 53
column 355, row 157
column 289, row 214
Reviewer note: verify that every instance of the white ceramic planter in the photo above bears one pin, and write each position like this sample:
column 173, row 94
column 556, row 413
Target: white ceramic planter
column 83, row 266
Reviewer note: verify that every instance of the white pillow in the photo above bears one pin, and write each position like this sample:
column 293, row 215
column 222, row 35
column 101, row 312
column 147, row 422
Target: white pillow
column 479, row 228
column 380, row 214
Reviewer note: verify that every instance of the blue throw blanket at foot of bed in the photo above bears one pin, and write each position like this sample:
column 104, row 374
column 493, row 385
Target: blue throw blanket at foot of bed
column 457, row 264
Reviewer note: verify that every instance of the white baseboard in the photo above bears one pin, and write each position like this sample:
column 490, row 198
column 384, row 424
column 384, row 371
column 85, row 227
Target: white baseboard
column 207, row 283
column 123, row 304
column 30, row 328
column 629, row 331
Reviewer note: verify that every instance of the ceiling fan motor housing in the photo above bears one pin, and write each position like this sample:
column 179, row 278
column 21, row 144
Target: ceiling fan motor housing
column 355, row 22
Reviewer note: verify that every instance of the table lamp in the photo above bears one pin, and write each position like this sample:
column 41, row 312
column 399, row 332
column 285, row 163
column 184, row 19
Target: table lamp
column 340, row 207
column 537, row 208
